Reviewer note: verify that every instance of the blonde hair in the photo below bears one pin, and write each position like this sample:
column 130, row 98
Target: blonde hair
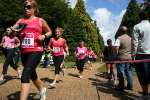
column 60, row 29
column 34, row 5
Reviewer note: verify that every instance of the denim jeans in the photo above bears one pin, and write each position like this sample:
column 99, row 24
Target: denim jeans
column 125, row 72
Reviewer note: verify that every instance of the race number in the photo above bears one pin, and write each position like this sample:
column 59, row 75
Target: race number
column 56, row 49
column 28, row 41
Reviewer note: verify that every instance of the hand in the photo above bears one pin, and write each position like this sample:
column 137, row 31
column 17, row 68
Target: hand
column 67, row 53
column 41, row 37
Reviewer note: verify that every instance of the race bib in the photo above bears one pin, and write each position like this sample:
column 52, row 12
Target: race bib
column 28, row 41
column 56, row 49
column 81, row 51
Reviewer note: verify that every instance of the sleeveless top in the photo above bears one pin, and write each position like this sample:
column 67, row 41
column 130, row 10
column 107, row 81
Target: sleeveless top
column 9, row 43
column 90, row 54
column 110, row 53
column 82, row 53
column 58, row 46
column 29, row 36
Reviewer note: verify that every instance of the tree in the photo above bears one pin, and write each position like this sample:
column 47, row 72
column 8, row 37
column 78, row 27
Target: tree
column 131, row 17
column 92, row 36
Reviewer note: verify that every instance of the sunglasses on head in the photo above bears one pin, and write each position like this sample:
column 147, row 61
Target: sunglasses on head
column 27, row 7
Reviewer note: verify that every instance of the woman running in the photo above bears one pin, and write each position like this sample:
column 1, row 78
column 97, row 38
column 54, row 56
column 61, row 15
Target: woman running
column 90, row 57
column 58, row 46
column 32, row 37
column 81, row 53
column 9, row 43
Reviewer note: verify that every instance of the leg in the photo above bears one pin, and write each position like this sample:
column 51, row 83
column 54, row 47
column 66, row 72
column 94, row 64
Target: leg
column 57, row 63
column 114, row 72
column 30, row 62
column 121, row 74
column 129, row 76
column 82, row 62
column 141, row 70
column 108, row 66
column 9, row 60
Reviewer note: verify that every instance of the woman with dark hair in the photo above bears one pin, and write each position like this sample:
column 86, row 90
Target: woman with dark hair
column 9, row 43
column 110, row 56
column 32, row 37
column 81, row 54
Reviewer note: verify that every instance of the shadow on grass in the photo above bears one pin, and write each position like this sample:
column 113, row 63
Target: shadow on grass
column 103, row 87
column 16, row 96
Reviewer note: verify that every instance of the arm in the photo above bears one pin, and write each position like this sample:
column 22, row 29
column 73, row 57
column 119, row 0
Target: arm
column 46, row 29
column 3, row 40
column 50, row 46
column 117, row 45
column 17, row 42
column 135, row 40
column 66, row 48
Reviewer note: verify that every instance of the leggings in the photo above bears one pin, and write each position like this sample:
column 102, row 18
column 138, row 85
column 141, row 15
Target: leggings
column 30, row 62
column 9, row 53
column 80, row 64
column 57, row 63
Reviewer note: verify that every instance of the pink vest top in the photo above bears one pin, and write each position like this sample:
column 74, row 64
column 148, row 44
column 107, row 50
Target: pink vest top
column 29, row 36
column 81, row 52
column 9, row 43
column 58, row 46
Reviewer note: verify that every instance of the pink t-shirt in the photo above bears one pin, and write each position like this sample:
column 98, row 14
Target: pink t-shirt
column 9, row 43
column 81, row 53
column 29, row 36
column 58, row 46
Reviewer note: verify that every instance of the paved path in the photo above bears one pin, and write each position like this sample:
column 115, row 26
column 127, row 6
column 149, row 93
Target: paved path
column 93, row 86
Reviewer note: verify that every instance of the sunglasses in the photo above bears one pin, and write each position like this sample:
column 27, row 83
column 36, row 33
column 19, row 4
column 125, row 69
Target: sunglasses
column 27, row 7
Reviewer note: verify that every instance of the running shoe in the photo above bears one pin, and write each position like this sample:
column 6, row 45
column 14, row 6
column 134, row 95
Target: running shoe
column 1, row 80
column 81, row 76
column 43, row 94
column 52, row 85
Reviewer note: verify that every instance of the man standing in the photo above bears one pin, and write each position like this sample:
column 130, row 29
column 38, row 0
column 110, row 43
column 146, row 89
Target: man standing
column 141, row 50
column 123, row 46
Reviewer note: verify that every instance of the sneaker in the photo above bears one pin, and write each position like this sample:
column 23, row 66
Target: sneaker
column 52, row 85
column 43, row 94
column 1, row 80
column 80, row 76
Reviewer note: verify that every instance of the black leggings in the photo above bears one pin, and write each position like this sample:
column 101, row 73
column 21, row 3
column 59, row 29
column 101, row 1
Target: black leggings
column 57, row 63
column 80, row 64
column 30, row 62
column 9, row 53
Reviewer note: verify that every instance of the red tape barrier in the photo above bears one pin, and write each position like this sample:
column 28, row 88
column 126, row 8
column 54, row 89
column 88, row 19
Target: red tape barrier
column 128, row 61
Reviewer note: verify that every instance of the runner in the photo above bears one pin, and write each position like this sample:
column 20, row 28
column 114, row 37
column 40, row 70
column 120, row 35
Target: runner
column 90, row 57
column 58, row 46
column 9, row 43
column 81, row 53
column 32, row 47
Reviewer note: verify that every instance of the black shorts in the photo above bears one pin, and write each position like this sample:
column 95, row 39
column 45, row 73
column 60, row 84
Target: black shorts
column 58, row 60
